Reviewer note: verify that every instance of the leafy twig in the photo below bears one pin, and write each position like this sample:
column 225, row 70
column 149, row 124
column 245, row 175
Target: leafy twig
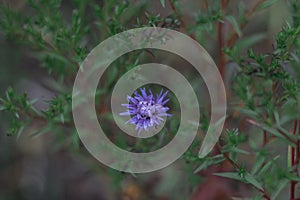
column 236, row 166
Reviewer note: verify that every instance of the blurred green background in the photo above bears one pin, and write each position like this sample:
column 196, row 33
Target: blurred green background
column 42, row 44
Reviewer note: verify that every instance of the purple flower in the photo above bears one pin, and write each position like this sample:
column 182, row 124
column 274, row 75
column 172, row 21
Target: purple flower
column 146, row 110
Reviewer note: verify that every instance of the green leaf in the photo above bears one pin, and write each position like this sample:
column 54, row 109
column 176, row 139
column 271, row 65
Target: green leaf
column 231, row 175
column 280, row 186
column 75, row 141
column 2, row 108
column 163, row 3
column 252, row 198
column 258, row 164
column 292, row 176
column 234, row 24
column 41, row 131
column 250, row 179
column 266, row 167
column 277, row 118
column 247, row 42
column 209, row 161
column 17, row 115
column 273, row 131
column 20, row 131
column 267, row 4
column 62, row 118
column 248, row 112
column 238, row 150
column 35, row 111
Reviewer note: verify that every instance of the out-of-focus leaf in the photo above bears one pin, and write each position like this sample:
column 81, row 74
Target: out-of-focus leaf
column 266, row 167
column 209, row 162
column 252, row 198
column 273, row 131
column 251, row 179
column 163, row 3
column 75, row 140
column 234, row 24
column 248, row 112
column 62, row 118
column 247, row 42
column 292, row 176
column 280, row 186
column 267, row 4
column 231, row 175
column 258, row 164
column 20, row 131
column 2, row 108
column 248, row 178
column 238, row 150
column 42, row 131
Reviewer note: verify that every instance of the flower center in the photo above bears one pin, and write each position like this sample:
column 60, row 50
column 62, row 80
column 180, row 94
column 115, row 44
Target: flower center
column 146, row 109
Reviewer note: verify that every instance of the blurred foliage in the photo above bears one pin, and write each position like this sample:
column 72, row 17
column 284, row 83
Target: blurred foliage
column 264, row 93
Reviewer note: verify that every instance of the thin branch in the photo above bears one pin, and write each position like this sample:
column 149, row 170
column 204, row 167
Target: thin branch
column 294, row 160
column 298, row 148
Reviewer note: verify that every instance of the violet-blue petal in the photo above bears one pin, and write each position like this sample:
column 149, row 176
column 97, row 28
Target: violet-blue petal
column 146, row 109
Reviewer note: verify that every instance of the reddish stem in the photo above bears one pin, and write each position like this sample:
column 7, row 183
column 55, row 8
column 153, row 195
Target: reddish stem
column 222, row 59
column 265, row 136
column 265, row 140
column 298, row 150
column 294, row 161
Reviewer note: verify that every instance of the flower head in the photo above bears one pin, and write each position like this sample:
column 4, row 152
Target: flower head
column 146, row 110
